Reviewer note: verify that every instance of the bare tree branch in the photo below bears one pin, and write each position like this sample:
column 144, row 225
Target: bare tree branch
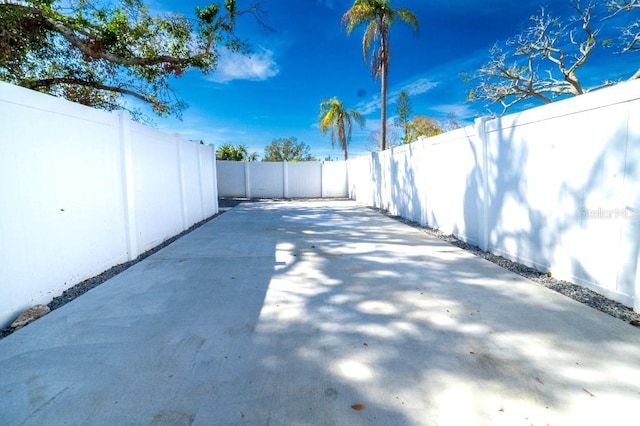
column 542, row 62
column 48, row 82
column 630, row 33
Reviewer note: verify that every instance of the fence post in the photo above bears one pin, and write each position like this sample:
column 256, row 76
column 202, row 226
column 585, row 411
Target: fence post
column 183, row 202
column 128, row 189
column 481, row 133
column 214, row 166
column 376, row 178
column 200, row 182
column 285, row 179
column 247, row 180
column 322, row 179
column 636, row 289
column 347, row 178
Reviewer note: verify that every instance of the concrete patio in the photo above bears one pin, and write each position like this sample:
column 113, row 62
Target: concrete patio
column 319, row 313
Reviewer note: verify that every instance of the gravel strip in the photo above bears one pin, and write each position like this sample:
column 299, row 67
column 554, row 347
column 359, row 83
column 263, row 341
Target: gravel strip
column 574, row 291
column 79, row 289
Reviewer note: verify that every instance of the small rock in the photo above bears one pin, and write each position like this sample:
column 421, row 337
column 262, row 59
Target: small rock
column 30, row 315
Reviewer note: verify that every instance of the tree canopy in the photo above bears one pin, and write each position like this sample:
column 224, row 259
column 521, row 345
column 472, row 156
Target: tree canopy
column 288, row 149
column 99, row 52
column 422, row 126
column 232, row 152
column 403, row 109
column 334, row 116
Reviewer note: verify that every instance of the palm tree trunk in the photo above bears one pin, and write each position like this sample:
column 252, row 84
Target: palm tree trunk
column 384, row 68
column 342, row 136
column 383, row 109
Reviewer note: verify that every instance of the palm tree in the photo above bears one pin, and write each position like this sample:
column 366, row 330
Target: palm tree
column 333, row 114
column 378, row 16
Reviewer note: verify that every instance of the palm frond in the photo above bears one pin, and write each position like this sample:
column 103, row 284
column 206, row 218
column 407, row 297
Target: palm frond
column 334, row 116
column 408, row 17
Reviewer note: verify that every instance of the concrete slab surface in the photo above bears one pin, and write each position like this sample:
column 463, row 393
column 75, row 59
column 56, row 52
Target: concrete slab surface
column 319, row 313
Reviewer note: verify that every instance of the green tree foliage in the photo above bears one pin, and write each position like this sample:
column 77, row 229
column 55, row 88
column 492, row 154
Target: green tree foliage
column 232, row 152
column 334, row 116
column 544, row 61
column 287, row 149
column 98, row 53
column 403, row 109
column 378, row 16
column 422, row 126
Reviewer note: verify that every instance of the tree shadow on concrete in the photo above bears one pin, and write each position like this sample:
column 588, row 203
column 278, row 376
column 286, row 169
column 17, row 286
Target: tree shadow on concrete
column 386, row 318
column 318, row 313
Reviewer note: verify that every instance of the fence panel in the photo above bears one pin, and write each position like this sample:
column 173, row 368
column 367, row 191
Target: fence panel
column 304, row 179
column 208, row 183
column 156, row 178
column 191, row 181
column 84, row 190
column 555, row 187
column 555, row 170
column 334, row 179
column 266, row 180
column 231, row 178
column 57, row 180
column 362, row 179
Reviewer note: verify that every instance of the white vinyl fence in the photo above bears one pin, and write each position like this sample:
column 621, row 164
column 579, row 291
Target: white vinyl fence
column 83, row 190
column 555, row 187
column 306, row 179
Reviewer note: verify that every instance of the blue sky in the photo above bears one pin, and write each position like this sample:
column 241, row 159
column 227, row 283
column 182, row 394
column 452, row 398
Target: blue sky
column 276, row 92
